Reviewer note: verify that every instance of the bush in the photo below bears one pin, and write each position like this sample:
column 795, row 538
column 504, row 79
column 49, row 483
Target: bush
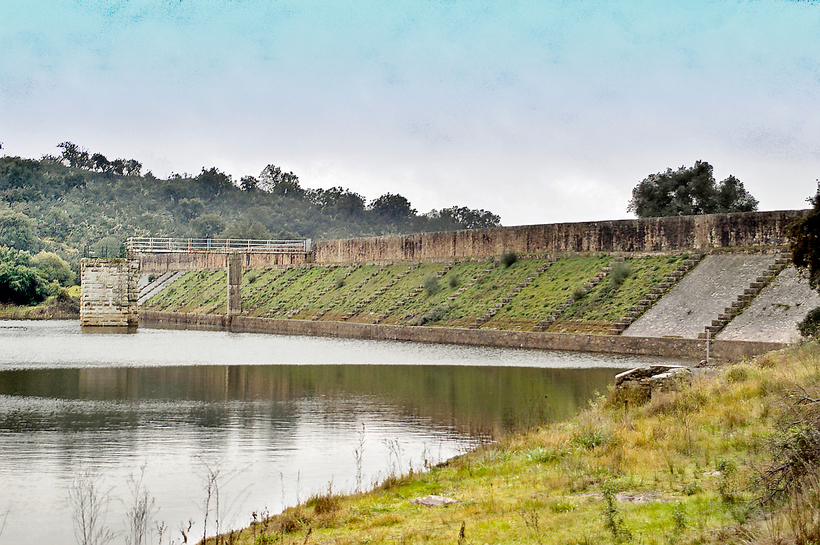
column 21, row 285
column 620, row 271
column 433, row 315
column 579, row 294
column 508, row 258
column 54, row 268
column 430, row 284
column 810, row 326
column 454, row 281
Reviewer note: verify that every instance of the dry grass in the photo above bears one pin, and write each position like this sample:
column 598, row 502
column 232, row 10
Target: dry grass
column 700, row 455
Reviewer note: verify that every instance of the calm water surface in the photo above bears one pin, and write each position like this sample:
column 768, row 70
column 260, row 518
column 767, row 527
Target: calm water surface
column 278, row 418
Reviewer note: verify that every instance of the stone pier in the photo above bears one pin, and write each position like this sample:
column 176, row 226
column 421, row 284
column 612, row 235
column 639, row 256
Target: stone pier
column 109, row 292
column 234, row 284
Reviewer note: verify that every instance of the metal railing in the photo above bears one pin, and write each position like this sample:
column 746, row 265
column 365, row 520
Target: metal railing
column 165, row 245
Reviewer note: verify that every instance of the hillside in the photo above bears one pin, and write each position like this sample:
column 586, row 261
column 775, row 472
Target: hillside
column 79, row 200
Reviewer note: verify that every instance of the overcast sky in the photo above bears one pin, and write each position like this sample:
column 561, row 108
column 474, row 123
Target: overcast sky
column 542, row 111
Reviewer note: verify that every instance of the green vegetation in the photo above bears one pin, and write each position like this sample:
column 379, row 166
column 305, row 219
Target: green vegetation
column 804, row 236
column 508, row 258
column 723, row 461
column 627, row 283
column 80, row 203
column 77, row 198
column 27, row 280
column 449, row 295
column 687, row 191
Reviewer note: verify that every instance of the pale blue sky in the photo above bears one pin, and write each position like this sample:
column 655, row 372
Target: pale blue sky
column 539, row 111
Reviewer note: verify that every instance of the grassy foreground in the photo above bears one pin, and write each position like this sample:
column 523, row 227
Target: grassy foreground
column 731, row 459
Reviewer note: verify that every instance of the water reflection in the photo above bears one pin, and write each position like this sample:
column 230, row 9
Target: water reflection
column 491, row 399
column 178, row 401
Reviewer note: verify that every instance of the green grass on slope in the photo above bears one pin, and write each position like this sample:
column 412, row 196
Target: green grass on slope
column 487, row 291
column 684, row 468
column 600, row 307
column 550, row 289
column 332, row 292
column 449, row 284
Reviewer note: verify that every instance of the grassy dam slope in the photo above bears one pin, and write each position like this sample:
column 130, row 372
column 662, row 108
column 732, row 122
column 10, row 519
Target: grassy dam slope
column 663, row 294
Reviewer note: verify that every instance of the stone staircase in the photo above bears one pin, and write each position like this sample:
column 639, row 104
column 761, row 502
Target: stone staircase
column 512, row 295
column 657, row 292
column 559, row 310
column 338, row 300
column 284, row 285
column 315, row 297
column 162, row 282
column 472, row 282
column 356, row 288
column 393, row 308
column 379, row 292
column 781, row 262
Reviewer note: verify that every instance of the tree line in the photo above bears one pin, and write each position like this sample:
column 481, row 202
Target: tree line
column 78, row 201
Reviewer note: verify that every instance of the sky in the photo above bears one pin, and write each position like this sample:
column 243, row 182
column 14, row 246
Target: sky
column 540, row 111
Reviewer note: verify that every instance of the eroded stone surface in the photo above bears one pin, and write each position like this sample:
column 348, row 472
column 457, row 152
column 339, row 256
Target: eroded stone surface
column 701, row 296
column 773, row 315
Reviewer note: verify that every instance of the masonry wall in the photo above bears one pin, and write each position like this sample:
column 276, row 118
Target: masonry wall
column 692, row 349
column 109, row 292
column 638, row 235
column 199, row 261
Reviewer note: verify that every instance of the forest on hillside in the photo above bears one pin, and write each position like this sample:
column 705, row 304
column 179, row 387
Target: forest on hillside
column 78, row 203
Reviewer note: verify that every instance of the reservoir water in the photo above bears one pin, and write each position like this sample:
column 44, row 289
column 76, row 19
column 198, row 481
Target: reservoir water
column 272, row 418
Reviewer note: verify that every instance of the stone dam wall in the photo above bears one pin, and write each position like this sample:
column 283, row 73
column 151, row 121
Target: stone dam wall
column 691, row 349
column 691, row 276
column 636, row 235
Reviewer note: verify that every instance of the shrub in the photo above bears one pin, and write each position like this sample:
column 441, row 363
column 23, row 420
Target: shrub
column 810, row 326
column 431, row 316
column 54, row 268
column 579, row 294
column 620, row 271
column 20, row 284
column 324, row 503
column 454, row 281
column 430, row 284
column 508, row 258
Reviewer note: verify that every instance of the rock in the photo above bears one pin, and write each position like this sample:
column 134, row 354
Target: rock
column 433, row 501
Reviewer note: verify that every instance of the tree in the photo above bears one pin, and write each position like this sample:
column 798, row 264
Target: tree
column 248, row 183
column 18, row 231
column 20, row 284
column 100, row 162
column 393, row 208
column 208, row 225
column 54, row 268
column 273, row 180
column 74, row 155
column 337, row 200
column 461, row 217
column 688, row 191
column 804, row 241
